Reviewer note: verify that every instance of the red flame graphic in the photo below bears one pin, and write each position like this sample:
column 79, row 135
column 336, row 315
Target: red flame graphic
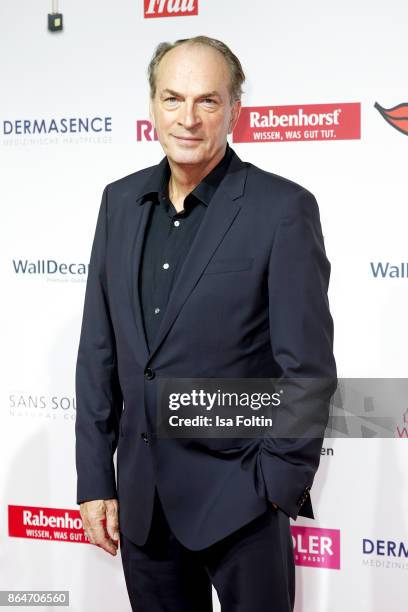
column 397, row 116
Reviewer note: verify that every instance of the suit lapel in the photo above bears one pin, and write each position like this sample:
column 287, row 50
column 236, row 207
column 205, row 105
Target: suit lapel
column 220, row 214
column 136, row 232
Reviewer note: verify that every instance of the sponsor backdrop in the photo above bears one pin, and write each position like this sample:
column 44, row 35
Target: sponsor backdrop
column 326, row 105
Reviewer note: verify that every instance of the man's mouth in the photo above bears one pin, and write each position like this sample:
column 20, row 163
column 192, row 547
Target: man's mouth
column 187, row 138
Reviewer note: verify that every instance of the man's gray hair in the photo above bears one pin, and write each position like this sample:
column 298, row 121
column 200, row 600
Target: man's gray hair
column 237, row 76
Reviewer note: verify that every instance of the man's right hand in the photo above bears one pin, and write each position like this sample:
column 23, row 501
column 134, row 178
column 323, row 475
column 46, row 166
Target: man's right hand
column 100, row 518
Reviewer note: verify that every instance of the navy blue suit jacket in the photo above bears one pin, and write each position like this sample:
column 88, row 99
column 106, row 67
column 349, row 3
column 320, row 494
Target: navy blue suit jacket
column 250, row 301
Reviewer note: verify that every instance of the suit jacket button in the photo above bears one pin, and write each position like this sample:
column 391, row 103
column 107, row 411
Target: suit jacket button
column 144, row 437
column 149, row 373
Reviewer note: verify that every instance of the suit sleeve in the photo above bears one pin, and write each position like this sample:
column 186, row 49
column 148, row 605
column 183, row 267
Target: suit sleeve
column 301, row 335
column 98, row 394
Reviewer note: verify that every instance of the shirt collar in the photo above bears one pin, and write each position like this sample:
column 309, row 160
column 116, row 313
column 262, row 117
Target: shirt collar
column 158, row 180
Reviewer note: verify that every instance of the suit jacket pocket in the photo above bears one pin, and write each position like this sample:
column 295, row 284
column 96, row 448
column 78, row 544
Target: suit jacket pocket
column 229, row 265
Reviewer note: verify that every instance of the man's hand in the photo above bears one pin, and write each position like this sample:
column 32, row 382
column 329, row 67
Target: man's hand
column 100, row 519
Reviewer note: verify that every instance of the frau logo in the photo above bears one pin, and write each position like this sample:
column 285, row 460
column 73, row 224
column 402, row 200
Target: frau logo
column 170, row 8
column 316, row 547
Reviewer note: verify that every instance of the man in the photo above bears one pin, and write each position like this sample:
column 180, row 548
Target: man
column 201, row 266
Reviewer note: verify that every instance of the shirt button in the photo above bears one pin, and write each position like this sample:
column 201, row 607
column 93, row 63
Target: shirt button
column 149, row 373
column 166, row 265
column 156, row 310
column 177, row 223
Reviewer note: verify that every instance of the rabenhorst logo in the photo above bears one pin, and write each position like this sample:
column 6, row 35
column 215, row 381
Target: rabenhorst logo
column 316, row 547
column 41, row 523
column 170, row 8
column 384, row 269
column 145, row 131
column 294, row 123
column 52, row 269
column 388, row 554
column 23, row 404
column 397, row 116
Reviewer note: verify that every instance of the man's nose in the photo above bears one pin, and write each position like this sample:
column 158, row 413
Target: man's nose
column 188, row 115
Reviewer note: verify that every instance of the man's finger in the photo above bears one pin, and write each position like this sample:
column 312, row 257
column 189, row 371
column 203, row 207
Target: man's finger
column 95, row 515
column 101, row 538
column 112, row 521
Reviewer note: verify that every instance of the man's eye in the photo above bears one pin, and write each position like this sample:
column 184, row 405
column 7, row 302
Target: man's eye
column 173, row 99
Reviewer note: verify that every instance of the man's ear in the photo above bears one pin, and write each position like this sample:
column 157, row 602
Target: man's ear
column 235, row 112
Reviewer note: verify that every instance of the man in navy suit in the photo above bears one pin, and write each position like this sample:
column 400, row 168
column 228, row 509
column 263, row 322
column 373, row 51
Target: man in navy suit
column 203, row 266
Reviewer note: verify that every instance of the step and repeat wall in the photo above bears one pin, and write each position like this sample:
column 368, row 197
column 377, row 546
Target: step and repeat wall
column 325, row 104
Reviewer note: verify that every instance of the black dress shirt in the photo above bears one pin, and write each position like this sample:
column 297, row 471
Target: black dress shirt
column 168, row 237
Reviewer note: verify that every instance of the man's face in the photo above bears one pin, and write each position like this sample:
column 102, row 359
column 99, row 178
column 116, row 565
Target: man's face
column 191, row 110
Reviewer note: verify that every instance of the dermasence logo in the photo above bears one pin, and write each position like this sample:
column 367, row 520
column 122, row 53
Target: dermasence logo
column 56, row 130
column 384, row 554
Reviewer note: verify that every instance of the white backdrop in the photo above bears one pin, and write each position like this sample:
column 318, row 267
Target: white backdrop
column 294, row 54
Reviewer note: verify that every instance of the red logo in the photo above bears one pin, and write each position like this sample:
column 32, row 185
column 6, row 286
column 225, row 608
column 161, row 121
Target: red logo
column 46, row 524
column 316, row 547
column 397, row 116
column 294, row 123
column 170, row 8
column 145, row 131
column 402, row 432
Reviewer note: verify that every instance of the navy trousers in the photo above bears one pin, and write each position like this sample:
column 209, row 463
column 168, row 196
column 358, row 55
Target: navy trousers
column 252, row 569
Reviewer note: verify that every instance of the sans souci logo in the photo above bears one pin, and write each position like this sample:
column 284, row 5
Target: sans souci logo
column 294, row 123
column 43, row 407
column 170, row 8
column 56, row 130
column 387, row 554
column 42, row 523
column 397, row 116
column 316, row 547
column 51, row 269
